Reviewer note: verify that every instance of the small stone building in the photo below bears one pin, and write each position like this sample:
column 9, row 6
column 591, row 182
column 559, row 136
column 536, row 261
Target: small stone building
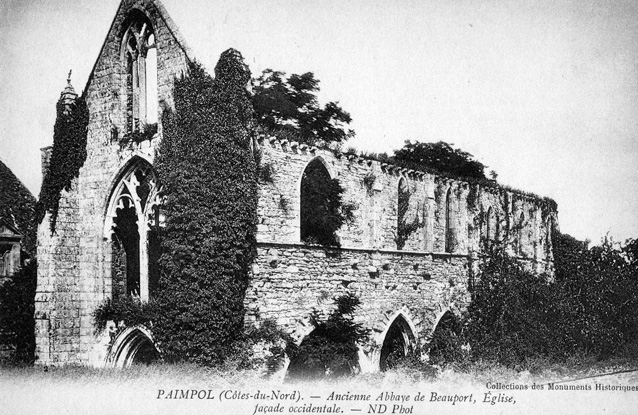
column 106, row 237
column 17, row 225
column 10, row 242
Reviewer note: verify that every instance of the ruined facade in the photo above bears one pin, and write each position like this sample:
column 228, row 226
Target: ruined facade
column 105, row 240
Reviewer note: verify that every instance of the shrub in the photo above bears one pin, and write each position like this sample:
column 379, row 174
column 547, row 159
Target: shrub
column 208, row 175
column 331, row 349
column 413, row 367
column 125, row 308
column 507, row 318
column 145, row 133
column 261, row 347
column 592, row 307
column 17, row 307
column 599, row 294
column 448, row 342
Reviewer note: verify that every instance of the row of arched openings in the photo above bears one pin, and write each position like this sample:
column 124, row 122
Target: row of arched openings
column 520, row 234
column 398, row 344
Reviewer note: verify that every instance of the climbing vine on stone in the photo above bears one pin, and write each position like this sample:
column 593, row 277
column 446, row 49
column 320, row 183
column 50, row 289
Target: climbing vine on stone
column 209, row 180
column 405, row 227
column 67, row 157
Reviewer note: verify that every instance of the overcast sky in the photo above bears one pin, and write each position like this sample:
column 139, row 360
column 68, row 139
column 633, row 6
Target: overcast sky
column 544, row 93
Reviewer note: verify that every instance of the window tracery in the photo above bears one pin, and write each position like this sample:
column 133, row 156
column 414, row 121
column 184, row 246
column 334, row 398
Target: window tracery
column 140, row 57
column 132, row 226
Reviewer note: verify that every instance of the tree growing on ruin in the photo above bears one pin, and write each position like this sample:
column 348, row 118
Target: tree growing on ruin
column 208, row 174
column 441, row 157
column 289, row 107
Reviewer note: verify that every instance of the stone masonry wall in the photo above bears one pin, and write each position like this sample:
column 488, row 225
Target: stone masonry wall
column 290, row 281
column 57, row 306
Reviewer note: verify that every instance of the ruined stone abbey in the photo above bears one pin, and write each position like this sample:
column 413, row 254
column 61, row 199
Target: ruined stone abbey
column 108, row 221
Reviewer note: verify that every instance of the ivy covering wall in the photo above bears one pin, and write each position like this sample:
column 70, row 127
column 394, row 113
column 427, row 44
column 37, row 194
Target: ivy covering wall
column 209, row 184
column 67, row 157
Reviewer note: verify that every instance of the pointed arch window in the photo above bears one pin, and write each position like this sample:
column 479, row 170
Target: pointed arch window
column 403, row 204
column 132, row 225
column 140, row 57
column 398, row 343
column 322, row 210
column 521, row 235
column 492, row 227
column 449, row 222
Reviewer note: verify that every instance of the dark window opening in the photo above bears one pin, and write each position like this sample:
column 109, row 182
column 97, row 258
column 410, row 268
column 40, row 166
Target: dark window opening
column 126, row 239
column 450, row 241
column 445, row 346
column 397, row 344
column 321, row 210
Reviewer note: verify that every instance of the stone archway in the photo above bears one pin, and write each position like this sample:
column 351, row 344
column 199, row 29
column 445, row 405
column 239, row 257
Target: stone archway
column 399, row 340
column 134, row 345
column 446, row 341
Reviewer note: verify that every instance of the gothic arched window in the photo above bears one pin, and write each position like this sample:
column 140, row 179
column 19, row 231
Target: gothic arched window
column 140, row 58
column 521, row 233
column 403, row 204
column 491, row 227
column 449, row 222
column 320, row 201
column 132, row 226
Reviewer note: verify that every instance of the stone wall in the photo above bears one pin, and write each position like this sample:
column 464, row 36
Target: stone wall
column 290, row 281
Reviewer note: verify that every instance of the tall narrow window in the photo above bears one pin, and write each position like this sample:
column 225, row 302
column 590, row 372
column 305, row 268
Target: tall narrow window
column 491, row 228
column 133, row 222
column 521, row 236
column 151, row 82
column 140, row 54
column 5, row 264
column 449, row 222
column 403, row 204
column 320, row 199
